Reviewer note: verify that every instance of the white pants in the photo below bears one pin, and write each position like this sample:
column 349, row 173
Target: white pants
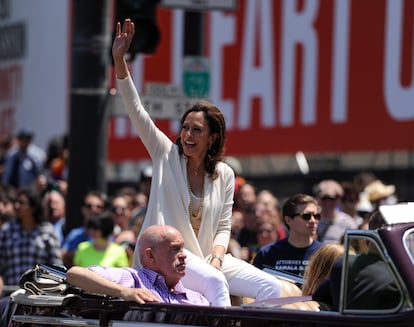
column 236, row 277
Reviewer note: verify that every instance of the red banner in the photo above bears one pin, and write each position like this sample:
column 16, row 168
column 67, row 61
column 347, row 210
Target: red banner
column 289, row 75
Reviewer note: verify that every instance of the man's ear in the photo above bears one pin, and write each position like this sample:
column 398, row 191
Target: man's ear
column 287, row 220
column 148, row 254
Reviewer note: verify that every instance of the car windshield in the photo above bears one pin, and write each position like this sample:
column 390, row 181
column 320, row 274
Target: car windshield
column 371, row 284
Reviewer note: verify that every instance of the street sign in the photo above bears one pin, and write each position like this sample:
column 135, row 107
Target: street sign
column 166, row 107
column 158, row 107
column 200, row 5
column 196, row 77
column 162, row 89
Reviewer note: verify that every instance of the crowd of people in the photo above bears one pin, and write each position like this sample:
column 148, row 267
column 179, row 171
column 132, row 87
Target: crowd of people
column 218, row 228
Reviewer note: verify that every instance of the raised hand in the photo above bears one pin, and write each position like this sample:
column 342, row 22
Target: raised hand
column 123, row 38
column 120, row 46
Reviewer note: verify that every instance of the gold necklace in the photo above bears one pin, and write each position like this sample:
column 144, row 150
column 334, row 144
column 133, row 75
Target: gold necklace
column 196, row 170
column 195, row 218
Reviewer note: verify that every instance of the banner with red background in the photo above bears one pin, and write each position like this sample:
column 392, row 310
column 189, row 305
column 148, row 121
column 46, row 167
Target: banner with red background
column 290, row 75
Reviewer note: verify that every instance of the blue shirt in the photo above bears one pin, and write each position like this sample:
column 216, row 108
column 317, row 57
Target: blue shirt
column 29, row 166
column 283, row 256
column 149, row 279
column 75, row 236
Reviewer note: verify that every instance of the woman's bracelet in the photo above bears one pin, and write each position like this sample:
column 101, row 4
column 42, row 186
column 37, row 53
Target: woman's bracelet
column 215, row 256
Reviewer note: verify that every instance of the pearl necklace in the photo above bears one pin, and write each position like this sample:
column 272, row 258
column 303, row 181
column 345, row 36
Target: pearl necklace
column 195, row 218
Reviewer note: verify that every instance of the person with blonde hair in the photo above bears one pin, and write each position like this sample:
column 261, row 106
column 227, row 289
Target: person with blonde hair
column 320, row 265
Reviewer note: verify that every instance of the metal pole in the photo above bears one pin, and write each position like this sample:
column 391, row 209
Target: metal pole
column 88, row 117
column 193, row 33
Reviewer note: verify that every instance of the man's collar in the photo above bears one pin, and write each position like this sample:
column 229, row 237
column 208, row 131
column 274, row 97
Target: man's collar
column 153, row 277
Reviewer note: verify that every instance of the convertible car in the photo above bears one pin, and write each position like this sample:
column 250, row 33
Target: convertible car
column 393, row 244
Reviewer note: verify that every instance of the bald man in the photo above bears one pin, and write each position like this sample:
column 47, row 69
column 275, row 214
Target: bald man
column 161, row 250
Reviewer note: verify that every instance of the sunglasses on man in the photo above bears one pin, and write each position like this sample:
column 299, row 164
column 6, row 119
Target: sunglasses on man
column 308, row 215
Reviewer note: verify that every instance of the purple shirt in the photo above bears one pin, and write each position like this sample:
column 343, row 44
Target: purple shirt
column 149, row 279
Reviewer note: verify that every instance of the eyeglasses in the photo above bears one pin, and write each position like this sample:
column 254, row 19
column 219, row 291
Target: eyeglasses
column 90, row 206
column 308, row 215
column 329, row 198
column 264, row 231
column 118, row 208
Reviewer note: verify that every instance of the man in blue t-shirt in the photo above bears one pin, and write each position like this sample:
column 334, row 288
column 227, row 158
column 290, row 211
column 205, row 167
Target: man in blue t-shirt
column 291, row 255
column 95, row 203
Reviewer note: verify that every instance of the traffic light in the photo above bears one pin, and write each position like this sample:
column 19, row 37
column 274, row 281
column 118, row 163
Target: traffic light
column 143, row 14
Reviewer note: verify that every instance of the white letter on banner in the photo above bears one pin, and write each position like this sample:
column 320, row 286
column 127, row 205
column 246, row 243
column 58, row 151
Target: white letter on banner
column 257, row 81
column 339, row 96
column 399, row 100
column 222, row 34
column 297, row 28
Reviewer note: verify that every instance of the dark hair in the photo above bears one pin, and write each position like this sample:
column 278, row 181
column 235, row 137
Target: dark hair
column 290, row 208
column 102, row 222
column 98, row 194
column 216, row 124
column 5, row 198
column 376, row 220
column 35, row 202
column 350, row 191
